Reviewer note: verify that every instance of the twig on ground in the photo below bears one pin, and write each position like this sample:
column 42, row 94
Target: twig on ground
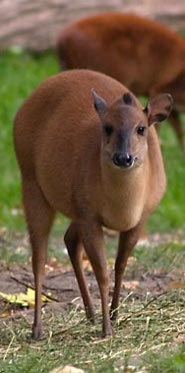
column 31, row 287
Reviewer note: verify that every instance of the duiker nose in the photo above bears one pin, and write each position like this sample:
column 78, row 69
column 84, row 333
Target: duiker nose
column 123, row 159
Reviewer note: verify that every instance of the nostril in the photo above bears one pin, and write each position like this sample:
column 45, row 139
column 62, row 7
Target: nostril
column 117, row 159
column 128, row 159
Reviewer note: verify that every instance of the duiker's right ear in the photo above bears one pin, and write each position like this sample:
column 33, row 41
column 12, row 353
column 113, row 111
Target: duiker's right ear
column 100, row 104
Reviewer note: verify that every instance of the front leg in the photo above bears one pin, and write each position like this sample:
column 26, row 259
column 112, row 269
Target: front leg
column 127, row 241
column 75, row 251
column 92, row 238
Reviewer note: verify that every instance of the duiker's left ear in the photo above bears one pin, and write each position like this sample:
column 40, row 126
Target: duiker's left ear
column 100, row 104
column 159, row 108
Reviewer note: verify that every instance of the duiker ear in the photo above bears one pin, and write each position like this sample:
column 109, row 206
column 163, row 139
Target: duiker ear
column 159, row 108
column 100, row 104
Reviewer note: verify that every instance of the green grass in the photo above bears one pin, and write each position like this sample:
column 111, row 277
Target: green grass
column 20, row 74
column 145, row 335
column 171, row 213
column 149, row 332
column 168, row 361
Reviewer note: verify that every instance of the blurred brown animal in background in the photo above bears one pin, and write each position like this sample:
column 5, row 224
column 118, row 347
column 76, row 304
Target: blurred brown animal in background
column 86, row 148
column 144, row 55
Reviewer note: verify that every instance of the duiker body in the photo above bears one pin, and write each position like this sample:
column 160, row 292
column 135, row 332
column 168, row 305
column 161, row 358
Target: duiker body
column 144, row 55
column 94, row 156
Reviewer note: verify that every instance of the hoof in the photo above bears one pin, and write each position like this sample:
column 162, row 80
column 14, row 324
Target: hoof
column 91, row 319
column 90, row 315
column 113, row 315
column 107, row 332
column 36, row 332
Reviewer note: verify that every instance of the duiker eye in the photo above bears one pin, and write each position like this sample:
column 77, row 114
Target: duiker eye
column 108, row 129
column 141, row 130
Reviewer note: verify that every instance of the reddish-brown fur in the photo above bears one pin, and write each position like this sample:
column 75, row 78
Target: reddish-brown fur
column 68, row 151
column 146, row 56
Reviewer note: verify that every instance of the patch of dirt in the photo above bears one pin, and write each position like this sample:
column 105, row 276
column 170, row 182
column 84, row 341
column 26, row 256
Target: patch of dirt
column 62, row 286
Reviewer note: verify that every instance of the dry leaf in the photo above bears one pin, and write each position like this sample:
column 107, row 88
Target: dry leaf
column 131, row 261
column 24, row 300
column 5, row 314
column 180, row 339
column 176, row 285
column 130, row 285
column 53, row 262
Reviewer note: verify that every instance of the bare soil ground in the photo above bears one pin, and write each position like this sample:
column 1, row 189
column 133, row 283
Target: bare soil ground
column 61, row 284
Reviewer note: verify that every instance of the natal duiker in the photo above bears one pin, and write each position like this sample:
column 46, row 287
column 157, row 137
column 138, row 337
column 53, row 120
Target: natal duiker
column 87, row 148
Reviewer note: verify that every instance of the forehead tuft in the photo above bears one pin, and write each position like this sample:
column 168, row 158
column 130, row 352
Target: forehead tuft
column 125, row 117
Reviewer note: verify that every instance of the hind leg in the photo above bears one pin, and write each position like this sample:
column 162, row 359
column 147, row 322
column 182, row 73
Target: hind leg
column 75, row 251
column 39, row 216
column 176, row 124
column 127, row 241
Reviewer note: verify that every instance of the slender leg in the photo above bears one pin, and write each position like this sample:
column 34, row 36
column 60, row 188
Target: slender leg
column 75, row 250
column 176, row 124
column 92, row 237
column 39, row 216
column 127, row 240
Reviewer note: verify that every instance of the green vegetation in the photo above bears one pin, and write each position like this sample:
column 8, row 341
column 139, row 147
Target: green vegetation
column 20, row 74
column 171, row 213
column 168, row 362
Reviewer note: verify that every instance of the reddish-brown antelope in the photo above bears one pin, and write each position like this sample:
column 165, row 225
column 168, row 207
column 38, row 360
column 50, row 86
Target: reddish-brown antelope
column 87, row 148
column 144, row 55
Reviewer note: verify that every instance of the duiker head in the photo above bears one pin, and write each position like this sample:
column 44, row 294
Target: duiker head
column 125, row 127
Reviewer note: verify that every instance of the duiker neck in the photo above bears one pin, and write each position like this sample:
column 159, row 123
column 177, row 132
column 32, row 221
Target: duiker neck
column 124, row 195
